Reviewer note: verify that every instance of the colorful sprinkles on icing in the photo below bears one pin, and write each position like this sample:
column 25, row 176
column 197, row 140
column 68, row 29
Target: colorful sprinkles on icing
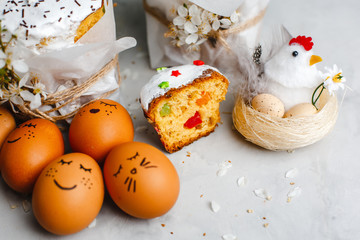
column 188, row 72
column 160, row 69
column 164, row 85
column 175, row 73
column 198, row 63
column 39, row 19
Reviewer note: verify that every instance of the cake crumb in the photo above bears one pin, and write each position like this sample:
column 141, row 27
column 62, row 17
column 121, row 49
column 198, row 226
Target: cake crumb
column 204, row 234
column 171, row 232
column 201, row 195
column 115, row 4
column 264, row 218
column 188, row 154
column 266, row 225
column 288, row 199
column 292, row 183
column 249, row 211
column 163, row 225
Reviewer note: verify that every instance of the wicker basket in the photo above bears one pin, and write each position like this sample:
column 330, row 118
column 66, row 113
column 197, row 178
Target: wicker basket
column 284, row 134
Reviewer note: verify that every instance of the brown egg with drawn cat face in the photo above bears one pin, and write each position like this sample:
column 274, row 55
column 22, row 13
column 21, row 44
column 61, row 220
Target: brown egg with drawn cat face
column 141, row 180
column 68, row 194
column 98, row 127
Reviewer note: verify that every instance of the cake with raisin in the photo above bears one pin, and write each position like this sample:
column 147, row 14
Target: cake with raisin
column 182, row 103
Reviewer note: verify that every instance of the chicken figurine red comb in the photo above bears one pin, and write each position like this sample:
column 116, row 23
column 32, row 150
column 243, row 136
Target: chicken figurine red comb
column 304, row 41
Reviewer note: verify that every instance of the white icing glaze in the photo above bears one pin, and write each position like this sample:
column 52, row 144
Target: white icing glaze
column 34, row 20
column 188, row 74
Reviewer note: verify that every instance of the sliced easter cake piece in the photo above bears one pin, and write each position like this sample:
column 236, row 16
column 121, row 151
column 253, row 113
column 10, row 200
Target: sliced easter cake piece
column 182, row 103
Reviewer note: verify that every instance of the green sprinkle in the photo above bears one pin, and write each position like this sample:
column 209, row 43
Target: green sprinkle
column 161, row 69
column 164, row 85
column 165, row 110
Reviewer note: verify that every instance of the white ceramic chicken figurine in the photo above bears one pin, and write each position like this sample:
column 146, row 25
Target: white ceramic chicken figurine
column 291, row 73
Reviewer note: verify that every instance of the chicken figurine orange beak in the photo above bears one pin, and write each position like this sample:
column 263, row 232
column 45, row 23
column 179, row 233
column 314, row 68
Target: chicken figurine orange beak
column 315, row 59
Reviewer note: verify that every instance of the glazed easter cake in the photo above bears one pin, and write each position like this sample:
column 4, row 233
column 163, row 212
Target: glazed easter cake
column 182, row 103
column 43, row 26
column 69, row 47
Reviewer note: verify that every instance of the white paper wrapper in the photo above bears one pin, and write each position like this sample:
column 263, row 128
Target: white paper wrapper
column 62, row 69
column 163, row 53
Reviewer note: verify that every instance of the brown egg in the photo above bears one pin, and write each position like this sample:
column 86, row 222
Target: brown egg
column 98, row 127
column 141, row 180
column 7, row 123
column 68, row 194
column 27, row 150
column 268, row 104
column 301, row 110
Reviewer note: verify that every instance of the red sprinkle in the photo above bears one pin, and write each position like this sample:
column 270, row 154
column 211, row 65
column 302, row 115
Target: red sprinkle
column 198, row 62
column 175, row 73
column 193, row 121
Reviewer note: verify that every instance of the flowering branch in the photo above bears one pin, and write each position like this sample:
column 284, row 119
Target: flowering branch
column 12, row 86
column 194, row 25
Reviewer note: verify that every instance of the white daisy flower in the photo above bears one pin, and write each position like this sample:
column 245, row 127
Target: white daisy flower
column 333, row 79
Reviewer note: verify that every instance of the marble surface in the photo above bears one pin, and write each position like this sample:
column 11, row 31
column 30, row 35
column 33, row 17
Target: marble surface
column 327, row 172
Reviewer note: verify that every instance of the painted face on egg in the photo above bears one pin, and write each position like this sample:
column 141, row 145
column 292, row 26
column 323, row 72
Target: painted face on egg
column 136, row 165
column 28, row 133
column 71, row 188
column 141, row 180
column 81, row 175
column 99, row 109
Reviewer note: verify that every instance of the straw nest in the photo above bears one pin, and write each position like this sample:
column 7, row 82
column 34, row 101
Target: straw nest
column 284, row 134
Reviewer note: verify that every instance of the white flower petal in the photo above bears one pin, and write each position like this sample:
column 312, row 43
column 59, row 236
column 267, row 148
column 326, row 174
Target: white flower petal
column 23, row 80
column 179, row 21
column 241, row 181
column 27, row 96
column 16, row 99
column 225, row 23
column 20, row 66
column 229, row 237
column 262, row 193
column 215, row 207
column 190, row 27
column 2, row 63
column 196, row 20
column 292, row 173
column 191, row 39
column 234, row 17
column 216, row 25
column 36, row 103
column 194, row 11
column 2, row 55
column 92, row 224
column 294, row 192
column 182, row 11
column 205, row 28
